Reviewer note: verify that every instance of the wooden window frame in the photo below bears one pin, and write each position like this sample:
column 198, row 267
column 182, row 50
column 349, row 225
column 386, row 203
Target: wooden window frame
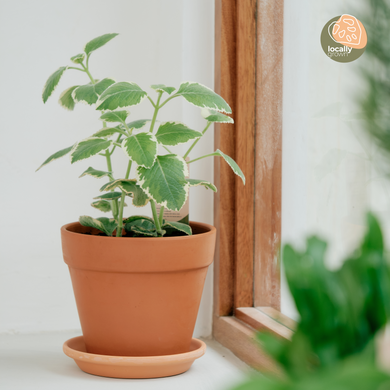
column 248, row 75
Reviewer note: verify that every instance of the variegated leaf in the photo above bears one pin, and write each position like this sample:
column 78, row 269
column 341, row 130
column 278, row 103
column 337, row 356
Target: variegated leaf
column 94, row 173
column 135, row 217
column 56, row 156
column 143, row 226
column 207, row 184
column 102, row 205
column 78, row 58
column 175, row 133
column 163, row 88
column 182, row 227
column 115, row 116
column 138, row 124
column 109, row 196
column 103, row 224
column 88, row 148
column 215, row 116
column 66, row 99
column 52, row 83
column 165, row 181
column 236, row 169
column 141, row 148
column 98, row 42
column 131, row 188
column 121, row 94
column 202, row 96
column 90, row 93
column 106, row 132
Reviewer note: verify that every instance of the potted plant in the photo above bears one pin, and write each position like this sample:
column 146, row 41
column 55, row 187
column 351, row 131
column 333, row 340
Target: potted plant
column 137, row 280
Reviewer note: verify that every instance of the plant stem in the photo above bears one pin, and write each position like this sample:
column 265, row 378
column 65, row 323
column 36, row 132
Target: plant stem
column 122, row 204
column 167, row 100
column 199, row 158
column 196, row 141
column 114, row 202
column 155, row 217
column 89, row 74
column 167, row 149
column 161, row 217
column 151, row 101
column 156, row 108
column 72, row 67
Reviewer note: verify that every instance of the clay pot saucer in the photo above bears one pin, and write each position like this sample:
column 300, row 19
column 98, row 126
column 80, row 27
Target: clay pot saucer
column 132, row 366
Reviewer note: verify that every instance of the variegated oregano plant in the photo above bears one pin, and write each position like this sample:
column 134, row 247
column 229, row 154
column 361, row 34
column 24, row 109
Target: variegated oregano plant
column 158, row 178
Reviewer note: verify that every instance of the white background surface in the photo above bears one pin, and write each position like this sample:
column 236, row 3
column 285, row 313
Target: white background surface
column 166, row 42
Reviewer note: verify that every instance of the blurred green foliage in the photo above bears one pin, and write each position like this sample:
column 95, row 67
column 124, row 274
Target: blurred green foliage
column 340, row 311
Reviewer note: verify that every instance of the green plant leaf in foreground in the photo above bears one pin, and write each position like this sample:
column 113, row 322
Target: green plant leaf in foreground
column 103, row 224
column 141, row 148
column 98, row 42
column 141, row 226
column 78, row 58
column 165, row 181
column 90, row 93
column 107, row 132
column 95, row 173
column 175, row 133
column 207, row 184
column 102, row 205
column 115, row 116
column 203, row 97
column 66, row 100
column 88, row 148
column 163, row 88
column 52, row 83
column 138, row 124
column 121, row 94
column 56, row 156
column 182, row 227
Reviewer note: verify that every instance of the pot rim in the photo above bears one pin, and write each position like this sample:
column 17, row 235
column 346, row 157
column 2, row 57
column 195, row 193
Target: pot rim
column 210, row 231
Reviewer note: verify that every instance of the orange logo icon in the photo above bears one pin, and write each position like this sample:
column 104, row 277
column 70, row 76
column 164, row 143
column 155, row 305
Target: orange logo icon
column 348, row 31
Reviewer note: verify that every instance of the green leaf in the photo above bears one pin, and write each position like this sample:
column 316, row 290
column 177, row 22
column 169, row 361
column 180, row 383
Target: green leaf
column 56, row 156
column 175, row 133
column 141, row 148
column 94, row 173
column 90, row 93
column 215, row 116
column 141, row 226
column 109, row 196
column 88, row 148
column 98, row 42
column 202, row 96
column 78, row 58
column 107, row 132
column 163, row 88
column 236, row 169
column 138, row 124
column 121, row 94
column 131, row 188
column 115, row 116
column 102, row 205
column 182, row 227
column 52, row 83
column 207, row 184
column 66, row 99
column 165, row 181
column 103, row 224
column 135, row 217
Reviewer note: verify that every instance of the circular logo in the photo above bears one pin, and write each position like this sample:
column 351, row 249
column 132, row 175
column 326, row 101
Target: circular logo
column 344, row 38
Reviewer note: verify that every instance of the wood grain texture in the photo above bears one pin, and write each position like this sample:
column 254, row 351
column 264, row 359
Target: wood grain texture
column 262, row 322
column 245, row 142
column 279, row 317
column 241, row 340
column 268, row 158
column 224, row 139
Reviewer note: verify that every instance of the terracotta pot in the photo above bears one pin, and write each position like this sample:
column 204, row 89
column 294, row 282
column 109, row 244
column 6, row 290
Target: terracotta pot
column 137, row 296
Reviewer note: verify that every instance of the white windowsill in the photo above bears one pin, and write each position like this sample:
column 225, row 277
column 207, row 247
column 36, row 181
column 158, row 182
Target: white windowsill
column 36, row 361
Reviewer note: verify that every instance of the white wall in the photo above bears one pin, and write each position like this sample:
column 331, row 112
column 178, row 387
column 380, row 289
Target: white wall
column 160, row 42
column 330, row 177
